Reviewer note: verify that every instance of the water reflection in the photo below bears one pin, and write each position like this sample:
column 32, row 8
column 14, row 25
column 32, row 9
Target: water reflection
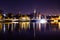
column 33, row 26
column 59, row 25
column 0, row 26
column 24, row 25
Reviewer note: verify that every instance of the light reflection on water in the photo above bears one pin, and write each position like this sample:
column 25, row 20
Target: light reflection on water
column 28, row 28
column 47, row 27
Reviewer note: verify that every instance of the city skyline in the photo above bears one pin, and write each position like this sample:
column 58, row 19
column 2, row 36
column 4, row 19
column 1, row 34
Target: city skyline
column 27, row 6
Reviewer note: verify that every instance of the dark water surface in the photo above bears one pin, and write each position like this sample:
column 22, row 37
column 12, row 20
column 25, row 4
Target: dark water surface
column 29, row 31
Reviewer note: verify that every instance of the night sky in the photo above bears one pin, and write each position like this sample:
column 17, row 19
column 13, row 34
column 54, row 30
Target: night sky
column 27, row 6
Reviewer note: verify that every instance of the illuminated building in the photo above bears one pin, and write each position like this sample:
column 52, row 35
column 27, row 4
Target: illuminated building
column 24, row 18
column 1, row 16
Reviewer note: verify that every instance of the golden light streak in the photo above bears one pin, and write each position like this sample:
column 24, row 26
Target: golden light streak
column 24, row 25
column 0, row 26
column 0, row 16
column 59, row 17
column 59, row 25
column 55, row 20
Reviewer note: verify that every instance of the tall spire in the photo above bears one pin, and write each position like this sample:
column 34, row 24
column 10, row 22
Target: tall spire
column 19, row 12
column 34, row 11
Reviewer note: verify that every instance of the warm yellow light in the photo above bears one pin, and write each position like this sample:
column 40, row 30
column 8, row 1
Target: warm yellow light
column 24, row 25
column 59, row 25
column 52, row 19
column 25, row 18
column 55, row 20
column 0, row 26
column 59, row 17
column 0, row 16
column 52, row 22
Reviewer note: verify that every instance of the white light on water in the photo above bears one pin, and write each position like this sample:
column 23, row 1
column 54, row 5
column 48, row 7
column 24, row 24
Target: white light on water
column 4, row 28
column 42, row 21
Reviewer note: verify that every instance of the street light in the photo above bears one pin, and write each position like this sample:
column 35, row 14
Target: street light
column 4, row 15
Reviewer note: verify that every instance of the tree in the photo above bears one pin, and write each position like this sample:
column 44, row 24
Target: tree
column 1, row 11
column 10, row 15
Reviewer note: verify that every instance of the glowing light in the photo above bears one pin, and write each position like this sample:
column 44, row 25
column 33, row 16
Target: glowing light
column 4, row 28
column 14, row 19
column 0, row 26
column 52, row 22
column 23, row 18
column 59, row 17
column 14, row 22
column 59, row 25
column 24, row 25
column 4, row 14
column 55, row 20
column 0, row 16
column 43, row 21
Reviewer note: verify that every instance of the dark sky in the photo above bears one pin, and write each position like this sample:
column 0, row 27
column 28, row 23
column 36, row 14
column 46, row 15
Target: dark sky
column 27, row 6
